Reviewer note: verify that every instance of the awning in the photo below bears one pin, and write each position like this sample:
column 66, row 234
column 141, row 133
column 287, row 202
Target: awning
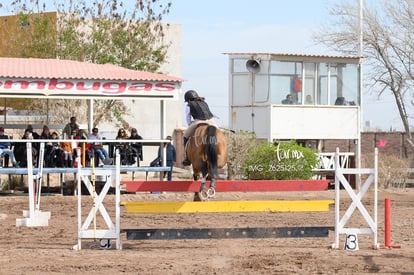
column 55, row 78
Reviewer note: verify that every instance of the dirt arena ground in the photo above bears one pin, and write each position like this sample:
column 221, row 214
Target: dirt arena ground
column 47, row 250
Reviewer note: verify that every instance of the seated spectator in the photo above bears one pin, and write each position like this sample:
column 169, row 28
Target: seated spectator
column 308, row 100
column 98, row 148
column 45, row 133
column 122, row 135
column 80, row 135
column 68, row 149
column 288, row 99
column 34, row 135
column 136, row 146
column 341, row 101
column 20, row 151
column 48, row 146
column 55, row 159
column 124, row 148
column 5, row 148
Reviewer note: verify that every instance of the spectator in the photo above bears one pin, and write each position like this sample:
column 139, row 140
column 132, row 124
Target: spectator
column 79, row 134
column 68, row 148
column 98, row 147
column 34, row 135
column 48, row 145
column 56, row 156
column 136, row 146
column 288, row 99
column 171, row 157
column 122, row 135
column 124, row 148
column 67, row 131
column 308, row 100
column 5, row 148
column 341, row 101
column 45, row 133
column 20, row 151
column 82, row 134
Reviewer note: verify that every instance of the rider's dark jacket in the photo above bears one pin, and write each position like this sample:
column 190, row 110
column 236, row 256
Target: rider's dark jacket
column 200, row 110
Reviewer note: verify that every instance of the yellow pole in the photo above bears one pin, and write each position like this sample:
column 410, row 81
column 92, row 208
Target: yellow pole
column 83, row 154
column 228, row 206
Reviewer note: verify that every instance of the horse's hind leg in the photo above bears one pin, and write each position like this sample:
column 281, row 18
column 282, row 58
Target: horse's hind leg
column 202, row 194
column 203, row 190
column 211, row 192
column 196, row 194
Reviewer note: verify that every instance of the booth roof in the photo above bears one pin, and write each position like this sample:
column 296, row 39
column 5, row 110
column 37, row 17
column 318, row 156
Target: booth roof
column 70, row 69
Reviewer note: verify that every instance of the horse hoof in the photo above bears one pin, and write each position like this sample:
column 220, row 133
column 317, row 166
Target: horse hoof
column 196, row 197
column 203, row 194
column 211, row 192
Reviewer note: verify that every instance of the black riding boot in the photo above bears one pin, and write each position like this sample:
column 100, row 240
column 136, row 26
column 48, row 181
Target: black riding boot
column 186, row 162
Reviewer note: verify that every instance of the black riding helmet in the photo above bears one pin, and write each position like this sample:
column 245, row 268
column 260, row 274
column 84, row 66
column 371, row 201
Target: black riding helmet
column 190, row 95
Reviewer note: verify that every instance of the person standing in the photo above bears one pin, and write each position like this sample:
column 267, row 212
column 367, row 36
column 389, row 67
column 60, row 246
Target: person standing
column 170, row 157
column 72, row 125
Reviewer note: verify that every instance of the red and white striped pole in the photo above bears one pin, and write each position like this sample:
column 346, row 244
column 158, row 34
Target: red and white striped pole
column 387, row 225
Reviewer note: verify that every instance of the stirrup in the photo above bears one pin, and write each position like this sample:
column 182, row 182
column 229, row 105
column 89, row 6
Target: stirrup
column 186, row 162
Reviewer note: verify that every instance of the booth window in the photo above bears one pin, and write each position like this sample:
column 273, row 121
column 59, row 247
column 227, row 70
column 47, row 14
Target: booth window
column 285, row 78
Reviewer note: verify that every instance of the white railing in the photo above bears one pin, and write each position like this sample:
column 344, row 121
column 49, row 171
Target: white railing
column 327, row 161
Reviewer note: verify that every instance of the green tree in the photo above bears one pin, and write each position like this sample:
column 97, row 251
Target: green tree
column 124, row 33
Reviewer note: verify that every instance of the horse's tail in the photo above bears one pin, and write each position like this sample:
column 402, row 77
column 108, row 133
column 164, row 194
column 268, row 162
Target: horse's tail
column 211, row 150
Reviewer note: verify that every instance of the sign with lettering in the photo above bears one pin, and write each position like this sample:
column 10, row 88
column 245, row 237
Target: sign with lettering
column 76, row 88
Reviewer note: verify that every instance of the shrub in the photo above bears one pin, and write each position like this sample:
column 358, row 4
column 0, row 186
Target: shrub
column 282, row 161
column 238, row 146
column 392, row 170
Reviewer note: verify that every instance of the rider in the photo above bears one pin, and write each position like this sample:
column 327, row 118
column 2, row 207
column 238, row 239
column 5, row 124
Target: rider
column 197, row 109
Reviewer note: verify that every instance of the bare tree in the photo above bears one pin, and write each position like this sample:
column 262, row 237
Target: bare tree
column 388, row 49
column 125, row 33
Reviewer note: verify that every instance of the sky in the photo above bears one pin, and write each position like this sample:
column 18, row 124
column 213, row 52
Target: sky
column 211, row 28
column 214, row 27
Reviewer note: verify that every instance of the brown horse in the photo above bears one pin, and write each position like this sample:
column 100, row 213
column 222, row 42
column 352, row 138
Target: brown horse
column 207, row 151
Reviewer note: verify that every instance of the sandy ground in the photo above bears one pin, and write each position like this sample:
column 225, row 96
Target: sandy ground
column 47, row 250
